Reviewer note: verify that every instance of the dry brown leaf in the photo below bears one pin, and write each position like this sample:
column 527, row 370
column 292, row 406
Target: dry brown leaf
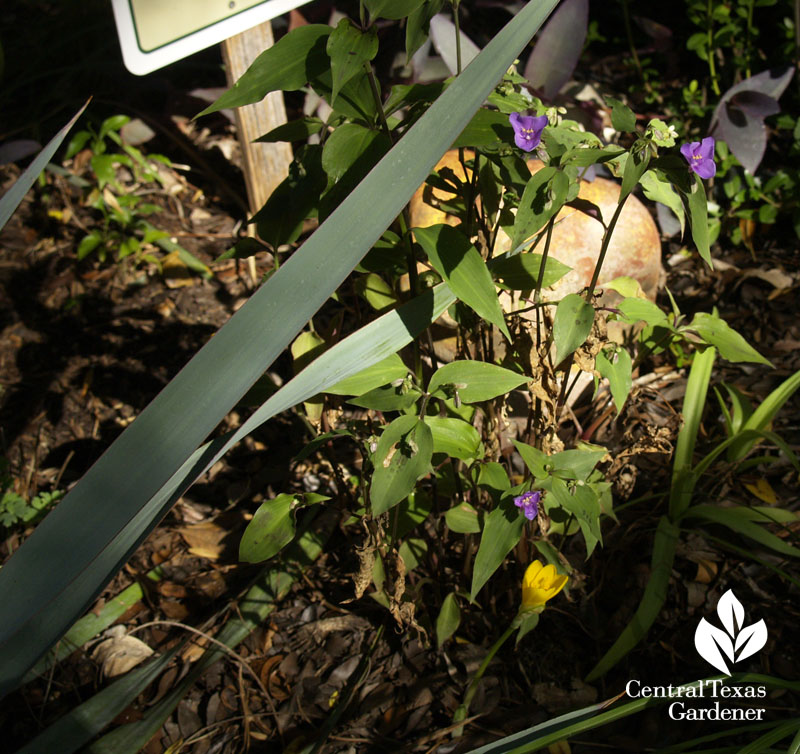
column 204, row 539
column 176, row 273
column 120, row 653
column 763, row 491
column 706, row 571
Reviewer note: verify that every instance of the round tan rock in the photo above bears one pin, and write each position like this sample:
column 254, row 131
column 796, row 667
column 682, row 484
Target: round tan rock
column 634, row 251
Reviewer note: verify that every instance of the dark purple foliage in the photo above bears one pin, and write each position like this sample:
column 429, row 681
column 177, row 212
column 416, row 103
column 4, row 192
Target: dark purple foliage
column 558, row 48
column 739, row 117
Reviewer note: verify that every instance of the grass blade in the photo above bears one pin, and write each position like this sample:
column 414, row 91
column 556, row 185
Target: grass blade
column 694, row 400
column 763, row 415
column 589, row 718
column 272, row 585
column 12, row 198
column 79, row 726
column 736, row 519
column 49, row 581
column 655, row 593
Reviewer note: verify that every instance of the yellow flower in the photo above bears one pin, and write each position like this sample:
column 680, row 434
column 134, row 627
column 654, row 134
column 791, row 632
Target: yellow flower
column 540, row 584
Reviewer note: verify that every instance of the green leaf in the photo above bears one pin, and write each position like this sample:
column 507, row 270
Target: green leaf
column 412, row 551
column 48, row 580
column 295, row 130
column 448, row 620
column 583, row 156
column 272, row 527
column 391, row 9
column 347, row 145
column 577, row 723
column 529, row 622
column 103, row 168
column 640, row 309
column 635, row 166
column 694, row 401
column 242, row 249
column 89, row 243
column 354, row 100
column 487, row 127
column 418, row 25
column 493, row 478
column 534, row 459
column 349, row 154
column 739, row 519
column 501, row 532
column 387, row 398
column 622, row 117
column 475, row 381
column 376, row 291
column 289, row 64
column 763, row 415
column 616, row 367
column 543, row 197
column 521, row 271
column 13, row 196
column 655, row 594
column 462, row 519
column 461, row 266
column 385, row 371
column 411, row 513
column 730, row 344
column 658, row 190
column 741, row 408
column 698, row 220
column 92, row 624
column 576, row 463
column 349, row 48
column 454, row 437
column 403, row 456
column 572, row 325
column 280, row 220
column 581, row 502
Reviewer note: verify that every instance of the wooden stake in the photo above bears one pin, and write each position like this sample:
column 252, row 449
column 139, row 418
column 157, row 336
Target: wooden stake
column 265, row 165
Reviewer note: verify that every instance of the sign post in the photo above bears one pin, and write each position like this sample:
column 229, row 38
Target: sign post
column 154, row 33
column 265, row 165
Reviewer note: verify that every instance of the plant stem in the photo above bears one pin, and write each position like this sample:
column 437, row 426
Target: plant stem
column 629, row 32
column 463, row 708
column 376, row 95
column 710, row 50
column 604, row 248
column 456, row 3
column 537, row 293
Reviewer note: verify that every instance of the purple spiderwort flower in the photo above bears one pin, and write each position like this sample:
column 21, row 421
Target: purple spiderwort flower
column 700, row 156
column 527, row 130
column 529, row 502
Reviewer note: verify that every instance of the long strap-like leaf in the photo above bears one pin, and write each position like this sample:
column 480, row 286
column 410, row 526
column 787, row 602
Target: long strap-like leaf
column 12, row 198
column 58, row 571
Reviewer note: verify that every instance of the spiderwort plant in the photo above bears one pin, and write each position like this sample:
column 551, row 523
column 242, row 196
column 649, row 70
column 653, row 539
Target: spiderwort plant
column 527, row 130
column 700, row 156
column 529, row 502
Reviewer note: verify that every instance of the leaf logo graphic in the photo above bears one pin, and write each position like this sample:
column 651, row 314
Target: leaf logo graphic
column 736, row 642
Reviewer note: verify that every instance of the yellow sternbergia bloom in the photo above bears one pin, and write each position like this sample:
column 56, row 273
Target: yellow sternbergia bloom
column 540, row 583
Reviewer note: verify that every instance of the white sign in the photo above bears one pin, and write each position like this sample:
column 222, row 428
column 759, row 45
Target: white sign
column 154, row 33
